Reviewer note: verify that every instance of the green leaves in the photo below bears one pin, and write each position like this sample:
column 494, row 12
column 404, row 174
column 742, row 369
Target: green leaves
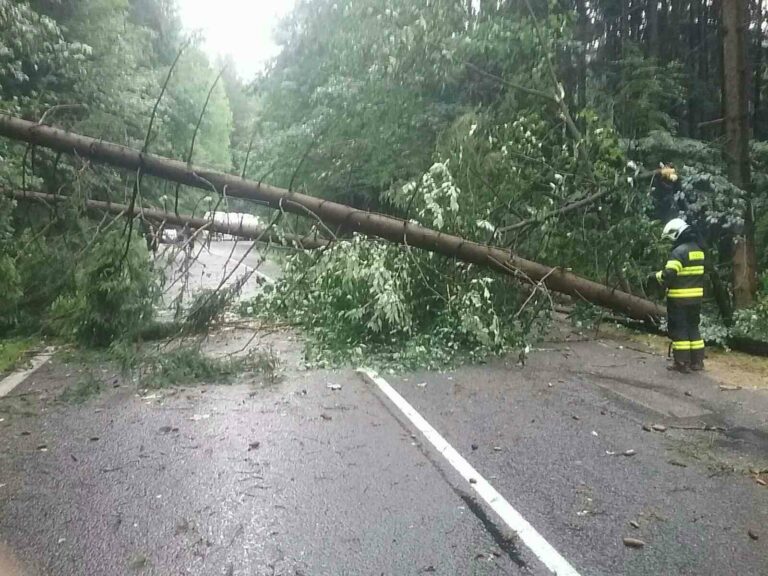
column 114, row 293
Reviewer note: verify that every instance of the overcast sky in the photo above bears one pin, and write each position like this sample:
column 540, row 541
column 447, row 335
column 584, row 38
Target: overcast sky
column 242, row 28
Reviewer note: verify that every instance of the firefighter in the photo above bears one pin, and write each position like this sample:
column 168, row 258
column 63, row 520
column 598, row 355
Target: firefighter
column 683, row 277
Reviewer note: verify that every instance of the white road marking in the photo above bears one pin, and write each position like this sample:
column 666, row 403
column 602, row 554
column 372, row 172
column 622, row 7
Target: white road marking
column 10, row 382
column 550, row 557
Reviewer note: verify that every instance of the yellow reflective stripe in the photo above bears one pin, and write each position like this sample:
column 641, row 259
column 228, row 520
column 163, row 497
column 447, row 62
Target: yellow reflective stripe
column 681, row 345
column 697, row 345
column 675, row 265
column 696, row 255
column 685, row 292
column 659, row 275
column 692, row 271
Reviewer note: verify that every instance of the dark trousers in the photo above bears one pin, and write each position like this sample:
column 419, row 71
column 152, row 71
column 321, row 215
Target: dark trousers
column 683, row 329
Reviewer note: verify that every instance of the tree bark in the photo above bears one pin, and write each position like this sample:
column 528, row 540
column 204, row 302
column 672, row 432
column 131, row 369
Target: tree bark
column 240, row 230
column 757, row 73
column 652, row 38
column 582, row 37
column 386, row 227
column 735, row 99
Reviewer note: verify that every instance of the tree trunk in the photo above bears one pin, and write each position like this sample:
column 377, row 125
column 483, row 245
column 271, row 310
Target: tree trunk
column 652, row 35
column 757, row 73
column 331, row 213
column 582, row 38
column 241, row 230
column 693, row 74
column 735, row 19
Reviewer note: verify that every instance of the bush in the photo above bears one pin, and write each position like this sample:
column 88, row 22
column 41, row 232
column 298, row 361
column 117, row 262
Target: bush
column 752, row 322
column 114, row 295
column 10, row 292
column 10, row 284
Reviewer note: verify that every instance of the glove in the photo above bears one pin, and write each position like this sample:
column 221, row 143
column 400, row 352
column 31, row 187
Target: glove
column 668, row 173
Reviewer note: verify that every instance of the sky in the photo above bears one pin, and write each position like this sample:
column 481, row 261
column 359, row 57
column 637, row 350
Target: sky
column 241, row 28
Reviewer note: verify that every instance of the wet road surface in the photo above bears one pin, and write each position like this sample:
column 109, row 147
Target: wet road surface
column 297, row 478
column 322, row 474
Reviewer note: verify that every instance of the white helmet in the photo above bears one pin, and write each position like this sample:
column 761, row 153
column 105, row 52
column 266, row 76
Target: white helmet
column 674, row 228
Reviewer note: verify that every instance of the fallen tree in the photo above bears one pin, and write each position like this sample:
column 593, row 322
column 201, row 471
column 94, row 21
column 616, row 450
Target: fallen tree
column 239, row 229
column 332, row 213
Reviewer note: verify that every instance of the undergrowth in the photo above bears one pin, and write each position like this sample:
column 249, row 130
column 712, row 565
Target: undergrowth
column 12, row 351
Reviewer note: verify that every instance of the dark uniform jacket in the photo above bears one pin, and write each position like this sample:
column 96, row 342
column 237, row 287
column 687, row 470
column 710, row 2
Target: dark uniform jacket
column 683, row 274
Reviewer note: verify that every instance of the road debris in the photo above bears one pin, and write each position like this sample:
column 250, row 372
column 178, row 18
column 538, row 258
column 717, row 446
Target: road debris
column 634, row 524
column 659, row 428
column 647, row 428
column 154, row 396
column 633, row 543
column 253, row 446
column 325, row 416
column 93, row 439
column 678, row 463
column 42, row 448
column 334, row 387
column 421, row 385
column 761, row 482
column 474, row 446
column 497, row 448
column 594, row 433
column 198, row 417
column 753, row 535
column 703, row 428
column 473, row 480
column 728, row 388
column 629, row 452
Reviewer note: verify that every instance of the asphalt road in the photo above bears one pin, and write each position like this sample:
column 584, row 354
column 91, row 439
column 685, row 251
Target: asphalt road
column 220, row 263
column 322, row 474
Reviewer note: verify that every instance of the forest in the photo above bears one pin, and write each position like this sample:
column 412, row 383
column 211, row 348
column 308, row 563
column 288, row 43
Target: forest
column 563, row 131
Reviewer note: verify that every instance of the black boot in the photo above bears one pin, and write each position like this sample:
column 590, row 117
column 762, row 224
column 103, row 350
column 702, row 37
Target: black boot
column 682, row 361
column 697, row 360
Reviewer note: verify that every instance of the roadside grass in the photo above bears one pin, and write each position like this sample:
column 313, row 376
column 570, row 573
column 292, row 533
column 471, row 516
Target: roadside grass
column 12, row 352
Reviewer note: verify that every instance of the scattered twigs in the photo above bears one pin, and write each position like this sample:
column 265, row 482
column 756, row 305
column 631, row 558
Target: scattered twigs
column 703, row 428
column 537, row 287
